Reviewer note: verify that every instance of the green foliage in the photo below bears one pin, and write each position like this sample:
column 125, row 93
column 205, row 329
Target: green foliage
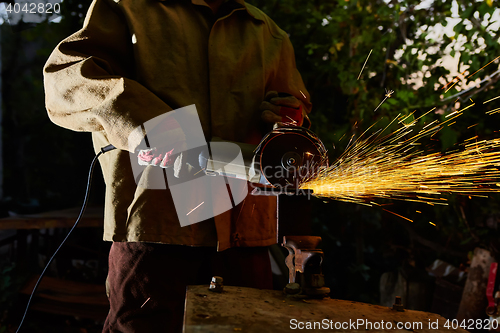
column 332, row 40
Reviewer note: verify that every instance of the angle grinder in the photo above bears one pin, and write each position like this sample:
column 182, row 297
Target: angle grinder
column 286, row 156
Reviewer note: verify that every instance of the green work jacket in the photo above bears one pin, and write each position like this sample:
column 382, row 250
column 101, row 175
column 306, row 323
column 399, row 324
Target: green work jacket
column 134, row 60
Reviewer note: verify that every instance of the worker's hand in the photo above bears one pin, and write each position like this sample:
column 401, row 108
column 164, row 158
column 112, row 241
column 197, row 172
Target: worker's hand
column 182, row 165
column 166, row 145
column 156, row 157
column 282, row 109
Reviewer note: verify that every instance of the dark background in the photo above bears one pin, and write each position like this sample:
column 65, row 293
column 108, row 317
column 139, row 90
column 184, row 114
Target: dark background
column 45, row 166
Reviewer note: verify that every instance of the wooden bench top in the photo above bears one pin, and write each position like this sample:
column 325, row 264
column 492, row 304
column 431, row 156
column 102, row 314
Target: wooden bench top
column 93, row 217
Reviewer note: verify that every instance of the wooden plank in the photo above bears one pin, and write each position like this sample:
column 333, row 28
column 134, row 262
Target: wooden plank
column 68, row 291
column 93, row 217
column 96, row 312
column 255, row 311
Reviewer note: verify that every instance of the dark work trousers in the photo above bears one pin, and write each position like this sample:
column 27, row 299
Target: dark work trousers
column 147, row 282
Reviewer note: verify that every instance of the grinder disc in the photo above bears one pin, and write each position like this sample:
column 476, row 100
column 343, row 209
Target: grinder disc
column 290, row 155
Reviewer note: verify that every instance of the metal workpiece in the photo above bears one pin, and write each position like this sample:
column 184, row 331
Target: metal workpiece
column 292, row 289
column 303, row 242
column 251, row 310
column 317, row 280
column 398, row 304
column 304, row 266
column 297, row 259
column 216, row 284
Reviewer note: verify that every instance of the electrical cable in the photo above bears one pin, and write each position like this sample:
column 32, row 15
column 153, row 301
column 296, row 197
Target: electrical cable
column 82, row 210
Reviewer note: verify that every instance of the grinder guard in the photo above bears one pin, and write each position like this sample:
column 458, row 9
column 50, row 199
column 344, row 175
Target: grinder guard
column 290, row 155
column 285, row 156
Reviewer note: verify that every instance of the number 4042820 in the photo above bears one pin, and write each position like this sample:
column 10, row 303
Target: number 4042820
column 33, row 8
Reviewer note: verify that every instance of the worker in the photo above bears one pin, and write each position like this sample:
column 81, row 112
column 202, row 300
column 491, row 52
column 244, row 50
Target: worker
column 135, row 60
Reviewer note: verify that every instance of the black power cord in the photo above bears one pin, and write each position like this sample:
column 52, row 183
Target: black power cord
column 84, row 206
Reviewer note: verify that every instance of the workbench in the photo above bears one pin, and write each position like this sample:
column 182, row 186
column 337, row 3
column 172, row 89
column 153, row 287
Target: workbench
column 239, row 309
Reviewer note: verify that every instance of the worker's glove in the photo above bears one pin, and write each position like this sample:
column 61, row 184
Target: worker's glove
column 184, row 164
column 282, row 109
column 173, row 155
column 155, row 157
column 174, row 140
